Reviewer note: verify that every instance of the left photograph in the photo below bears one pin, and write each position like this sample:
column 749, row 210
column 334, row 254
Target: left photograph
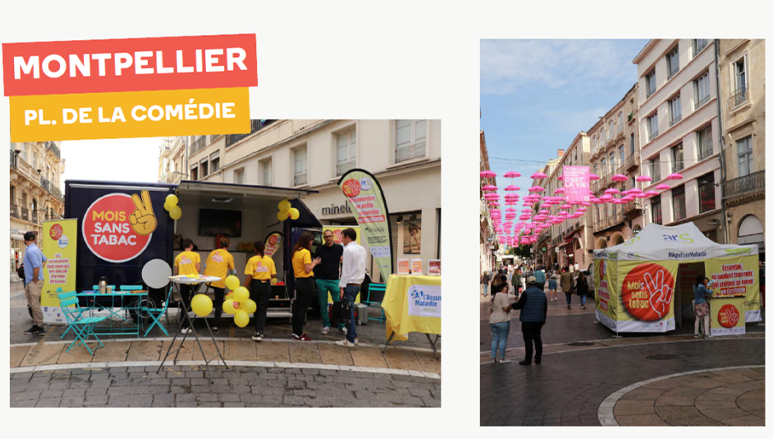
column 294, row 265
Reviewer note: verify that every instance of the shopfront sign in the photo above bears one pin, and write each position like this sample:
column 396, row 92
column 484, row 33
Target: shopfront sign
column 336, row 210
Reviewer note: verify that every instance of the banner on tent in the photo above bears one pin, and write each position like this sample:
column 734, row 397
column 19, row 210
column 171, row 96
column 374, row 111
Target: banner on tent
column 737, row 276
column 728, row 316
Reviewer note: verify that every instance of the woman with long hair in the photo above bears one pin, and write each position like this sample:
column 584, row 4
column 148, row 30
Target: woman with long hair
column 582, row 288
column 499, row 320
column 260, row 270
column 303, row 268
column 553, row 286
column 702, row 296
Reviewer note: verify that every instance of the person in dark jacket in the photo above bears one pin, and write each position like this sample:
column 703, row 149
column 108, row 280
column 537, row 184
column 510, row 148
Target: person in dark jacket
column 582, row 288
column 534, row 309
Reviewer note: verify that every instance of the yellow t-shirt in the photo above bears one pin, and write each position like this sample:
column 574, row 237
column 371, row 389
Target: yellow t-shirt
column 218, row 264
column 186, row 262
column 260, row 267
column 300, row 258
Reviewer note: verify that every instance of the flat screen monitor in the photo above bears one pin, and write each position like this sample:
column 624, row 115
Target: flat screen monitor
column 214, row 222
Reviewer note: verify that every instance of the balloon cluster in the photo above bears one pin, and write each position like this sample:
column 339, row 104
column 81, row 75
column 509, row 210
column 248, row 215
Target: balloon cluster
column 171, row 206
column 286, row 210
column 238, row 302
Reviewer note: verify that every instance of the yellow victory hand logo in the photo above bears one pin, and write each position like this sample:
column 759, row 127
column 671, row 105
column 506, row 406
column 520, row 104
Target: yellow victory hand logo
column 143, row 219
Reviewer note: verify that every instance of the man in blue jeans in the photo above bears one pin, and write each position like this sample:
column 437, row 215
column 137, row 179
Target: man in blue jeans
column 352, row 275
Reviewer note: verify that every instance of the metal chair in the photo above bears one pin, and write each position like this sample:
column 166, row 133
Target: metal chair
column 131, row 288
column 82, row 326
column 376, row 299
column 156, row 313
column 79, row 310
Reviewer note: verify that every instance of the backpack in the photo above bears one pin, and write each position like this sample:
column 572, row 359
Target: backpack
column 20, row 271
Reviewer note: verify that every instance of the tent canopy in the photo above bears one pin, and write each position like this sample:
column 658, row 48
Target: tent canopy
column 684, row 242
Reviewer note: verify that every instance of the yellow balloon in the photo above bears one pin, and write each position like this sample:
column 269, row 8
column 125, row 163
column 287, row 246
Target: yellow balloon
column 228, row 306
column 281, row 216
column 171, row 200
column 176, row 213
column 250, row 306
column 232, row 282
column 201, row 305
column 284, row 206
column 241, row 294
column 294, row 213
column 241, row 318
column 167, row 207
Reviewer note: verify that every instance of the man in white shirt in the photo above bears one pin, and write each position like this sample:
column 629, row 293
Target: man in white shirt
column 352, row 275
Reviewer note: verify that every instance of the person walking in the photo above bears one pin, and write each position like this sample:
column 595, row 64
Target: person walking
column 553, row 286
column 187, row 263
column 260, row 270
column 34, row 262
column 219, row 263
column 702, row 296
column 540, row 275
column 566, row 286
column 327, row 278
column 499, row 320
column 582, row 288
column 303, row 269
column 352, row 275
column 534, row 310
column 517, row 283
column 484, row 280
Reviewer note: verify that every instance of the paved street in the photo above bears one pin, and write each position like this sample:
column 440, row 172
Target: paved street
column 186, row 386
column 583, row 366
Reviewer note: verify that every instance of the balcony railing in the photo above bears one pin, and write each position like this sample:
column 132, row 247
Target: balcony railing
column 674, row 120
column 300, row 179
column 15, row 211
column 35, row 217
column 702, row 101
column 14, row 160
column 342, row 168
column 653, row 135
column 744, row 185
column 700, row 44
column 25, row 214
column 410, row 152
column 51, row 188
column 633, row 206
column 739, row 97
column 255, row 125
column 632, row 161
column 677, row 166
column 706, row 153
column 51, row 147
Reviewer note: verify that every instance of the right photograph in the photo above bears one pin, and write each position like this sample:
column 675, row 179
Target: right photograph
column 622, row 239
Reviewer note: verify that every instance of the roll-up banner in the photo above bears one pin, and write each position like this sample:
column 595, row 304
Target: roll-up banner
column 367, row 202
column 273, row 243
column 59, row 244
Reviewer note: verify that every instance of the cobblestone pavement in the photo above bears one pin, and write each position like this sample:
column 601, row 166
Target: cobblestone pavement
column 185, row 386
column 568, row 387
column 717, row 397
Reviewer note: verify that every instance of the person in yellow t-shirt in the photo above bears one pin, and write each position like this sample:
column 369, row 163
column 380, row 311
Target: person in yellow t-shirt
column 303, row 268
column 260, row 270
column 189, row 264
column 219, row 264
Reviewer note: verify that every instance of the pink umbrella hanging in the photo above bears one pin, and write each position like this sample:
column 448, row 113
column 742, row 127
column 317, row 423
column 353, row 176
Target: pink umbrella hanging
column 512, row 174
column 490, row 188
column 619, row 177
column 606, row 197
column 493, row 203
column 674, row 177
column 538, row 176
column 487, row 174
column 559, row 191
column 536, row 189
column 594, row 177
column 512, row 187
column 565, row 207
column 650, row 193
column 544, row 212
column 611, row 191
column 662, row 187
column 585, row 203
column 635, row 190
column 644, row 178
column 627, row 198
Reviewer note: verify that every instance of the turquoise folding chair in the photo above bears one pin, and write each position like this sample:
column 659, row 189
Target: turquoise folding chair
column 131, row 287
column 78, row 310
column 376, row 294
column 156, row 313
column 83, row 327
column 96, row 287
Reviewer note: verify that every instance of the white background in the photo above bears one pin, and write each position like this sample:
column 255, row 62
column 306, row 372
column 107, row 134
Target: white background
column 378, row 60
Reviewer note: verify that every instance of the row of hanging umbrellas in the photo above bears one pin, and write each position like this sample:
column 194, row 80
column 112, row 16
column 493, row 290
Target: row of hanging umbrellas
column 528, row 229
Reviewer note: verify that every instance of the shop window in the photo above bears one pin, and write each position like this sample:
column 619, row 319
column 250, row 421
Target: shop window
column 411, row 139
column 679, row 202
column 657, row 210
column 706, row 196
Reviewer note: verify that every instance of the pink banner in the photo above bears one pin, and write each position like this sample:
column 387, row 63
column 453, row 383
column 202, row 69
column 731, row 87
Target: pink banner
column 576, row 183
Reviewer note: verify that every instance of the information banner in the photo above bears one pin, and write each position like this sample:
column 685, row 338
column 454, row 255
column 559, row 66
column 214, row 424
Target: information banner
column 412, row 304
column 59, row 244
column 577, row 183
column 367, row 202
column 272, row 243
column 338, row 230
column 728, row 316
column 646, row 296
column 737, row 276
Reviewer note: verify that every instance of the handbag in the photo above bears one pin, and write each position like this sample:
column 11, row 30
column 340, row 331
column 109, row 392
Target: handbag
column 340, row 312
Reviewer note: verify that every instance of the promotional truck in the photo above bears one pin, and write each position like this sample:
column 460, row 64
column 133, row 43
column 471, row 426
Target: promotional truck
column 123, row 226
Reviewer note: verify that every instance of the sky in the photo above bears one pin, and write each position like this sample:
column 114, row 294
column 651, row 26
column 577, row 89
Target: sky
column 536, row 95
column 131, row 160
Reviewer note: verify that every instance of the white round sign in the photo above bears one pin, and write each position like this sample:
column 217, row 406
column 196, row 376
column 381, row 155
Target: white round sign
column 156, row 273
